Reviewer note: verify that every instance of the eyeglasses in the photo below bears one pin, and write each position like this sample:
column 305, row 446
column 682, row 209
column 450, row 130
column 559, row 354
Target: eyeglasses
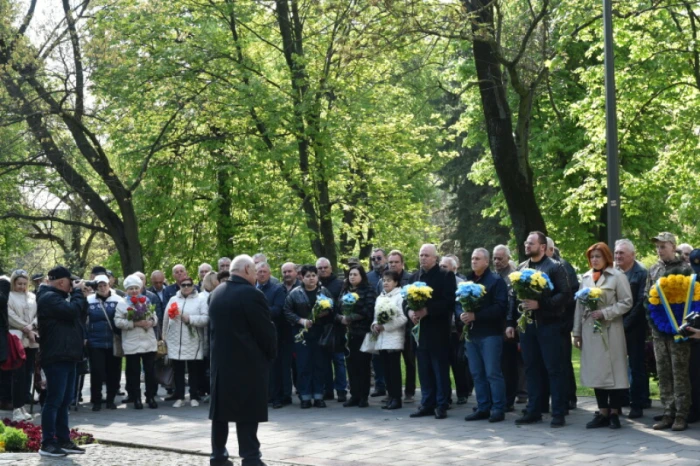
column 186, row 285
column 376, row 258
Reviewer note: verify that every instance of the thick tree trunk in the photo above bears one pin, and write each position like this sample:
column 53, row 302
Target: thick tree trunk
column 512, row 167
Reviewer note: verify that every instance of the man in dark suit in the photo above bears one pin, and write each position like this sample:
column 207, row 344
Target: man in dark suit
column 434, row 342
column 243, row 341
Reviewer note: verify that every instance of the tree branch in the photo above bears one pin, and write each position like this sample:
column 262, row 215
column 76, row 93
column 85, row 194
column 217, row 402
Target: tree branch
column 48, row 218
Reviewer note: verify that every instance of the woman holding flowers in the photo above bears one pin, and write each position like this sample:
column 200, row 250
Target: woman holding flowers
column 101, row 328
column 603, row 299
column 388, row 329
column 137, row 321
column 309, row 309
column 185, row 318
column 358, row 319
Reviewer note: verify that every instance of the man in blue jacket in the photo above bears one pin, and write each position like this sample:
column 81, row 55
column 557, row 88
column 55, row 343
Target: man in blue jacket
column 61, row 311
column 485, row 344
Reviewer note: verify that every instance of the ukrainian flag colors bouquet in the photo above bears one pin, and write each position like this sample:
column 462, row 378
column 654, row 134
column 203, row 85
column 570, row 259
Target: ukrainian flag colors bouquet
column 323, row 306
column 528, row 284
column 671, row 299
column 469, row 295
column 590, row 297
column 416, row 295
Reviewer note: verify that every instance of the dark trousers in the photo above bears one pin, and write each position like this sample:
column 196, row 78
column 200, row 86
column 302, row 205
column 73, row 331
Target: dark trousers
column 409, row 360
column 133, row 375
column 281, row 372
column 193, row 371
column 248, row 443
column 379, row 373
column 511, row 365
column 541, row 346
column 204, row 380
column 639, row 380
column 609, row 399
column 22, row 380
column 310, row 369
column 60, row 385
column 567, row 367
column 464, row 383
column 694, row 412
column 359, row 368
column 105, row 368
column 391, row 361
column 434, row 375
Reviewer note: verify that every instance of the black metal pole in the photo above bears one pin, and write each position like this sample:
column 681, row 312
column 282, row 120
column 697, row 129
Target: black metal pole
column 614, row 222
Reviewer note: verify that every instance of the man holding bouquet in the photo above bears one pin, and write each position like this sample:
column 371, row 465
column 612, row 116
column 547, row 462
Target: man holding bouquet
column 433, row 343
column 539, row 336
column 485, row 343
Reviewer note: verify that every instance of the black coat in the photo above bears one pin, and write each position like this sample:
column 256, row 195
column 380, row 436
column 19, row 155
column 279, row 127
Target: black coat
column 243, row 341
column 61, row 324
column 4, row 324
column 334, row 285
column 436, row 326
column 363, row 313
column 297, row 307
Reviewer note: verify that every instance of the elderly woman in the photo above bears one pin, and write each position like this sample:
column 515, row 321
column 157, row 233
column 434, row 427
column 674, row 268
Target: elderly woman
column 137, row 322
column 600, row 335
column 185, row 320
column 104, row 365
column 21, row 312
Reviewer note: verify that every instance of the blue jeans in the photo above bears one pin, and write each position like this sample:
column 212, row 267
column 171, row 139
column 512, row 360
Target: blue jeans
column 311, row 369
column 639, row 381
column 541, row 346
column 60, row 384
column 335, row 363
column 434, row 376
column 484, row 355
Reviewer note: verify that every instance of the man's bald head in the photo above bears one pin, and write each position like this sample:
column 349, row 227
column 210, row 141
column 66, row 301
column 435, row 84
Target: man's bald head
column 244, row 267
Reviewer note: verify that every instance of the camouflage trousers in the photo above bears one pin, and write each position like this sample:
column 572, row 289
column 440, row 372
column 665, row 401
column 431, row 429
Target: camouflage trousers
column 672, row 366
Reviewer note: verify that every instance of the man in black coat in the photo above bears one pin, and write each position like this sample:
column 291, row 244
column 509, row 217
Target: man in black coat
column 434, row 342
column 243, row 341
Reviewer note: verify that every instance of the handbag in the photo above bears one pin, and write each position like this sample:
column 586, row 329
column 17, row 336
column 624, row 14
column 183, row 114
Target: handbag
column 15, row 354
column 162, row 349
column 369, row 344
column 117, row 348
column 165, row 374
column 327, row 338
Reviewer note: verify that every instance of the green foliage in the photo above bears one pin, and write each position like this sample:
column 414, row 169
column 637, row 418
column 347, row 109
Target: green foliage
column 15, row 439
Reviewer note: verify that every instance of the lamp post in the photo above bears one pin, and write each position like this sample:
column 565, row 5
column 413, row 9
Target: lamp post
column 614, row 222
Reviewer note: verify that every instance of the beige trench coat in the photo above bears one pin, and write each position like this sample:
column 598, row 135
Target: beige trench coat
column 601, row 368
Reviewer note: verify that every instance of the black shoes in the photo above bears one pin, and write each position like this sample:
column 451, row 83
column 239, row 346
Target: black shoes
column 342, row 396
column 557, row 421
column 351, row 402
column 497, row 417
column 277, row 405
column 394, row 403
column 130, row 400
column 440, row 413
column 422, row 412
column 363, row 403
column 138, row 404
column 635, row 413
column 510, row 409
column 378, row 393
column 110, row 405
column 71, row 448
column 305, row 404
column 151, row 403
column 528, row 418
column 328, row 396
column 319, row 404
column 572, row 404
column 96, row 406
column 52, row 450
column 599, row 421
column 478, row 416
column 462, row 400
column 172, row 397
column 615, row 421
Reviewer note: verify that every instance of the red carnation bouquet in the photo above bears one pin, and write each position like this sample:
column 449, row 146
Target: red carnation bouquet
column 173, row 312
column 138, row 310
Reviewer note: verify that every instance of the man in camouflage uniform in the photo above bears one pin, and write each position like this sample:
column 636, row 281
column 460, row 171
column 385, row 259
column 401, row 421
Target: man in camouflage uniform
column 672, row 359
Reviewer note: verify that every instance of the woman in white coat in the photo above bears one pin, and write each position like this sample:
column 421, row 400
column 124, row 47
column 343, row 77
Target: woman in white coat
column 185, row 319
column 21, row 313
column 139, row 343
column 604, row 350
column 390, row 335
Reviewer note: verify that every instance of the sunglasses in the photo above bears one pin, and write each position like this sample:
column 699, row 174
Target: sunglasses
column 186, row 285
column 376, row 258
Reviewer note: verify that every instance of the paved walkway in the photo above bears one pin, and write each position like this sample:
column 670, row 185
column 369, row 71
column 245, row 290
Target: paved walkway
column 338, row 436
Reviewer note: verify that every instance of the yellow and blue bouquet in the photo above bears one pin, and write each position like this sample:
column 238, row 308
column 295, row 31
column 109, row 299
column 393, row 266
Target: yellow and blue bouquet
column 671, row 299
column 323, row 306
column 416, row 295
column 528, row 284
column 590, row 297
column 469, row 295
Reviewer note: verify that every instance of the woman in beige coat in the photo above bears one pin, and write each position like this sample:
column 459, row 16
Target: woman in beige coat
column 604, row 351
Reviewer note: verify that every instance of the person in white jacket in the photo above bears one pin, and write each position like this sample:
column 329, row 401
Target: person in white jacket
column 139, row 342
column 184, row 322
column 21, row 313
column 390, row 335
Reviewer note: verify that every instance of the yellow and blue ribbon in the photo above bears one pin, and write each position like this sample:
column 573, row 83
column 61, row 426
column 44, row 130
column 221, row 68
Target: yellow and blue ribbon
column 669, row 312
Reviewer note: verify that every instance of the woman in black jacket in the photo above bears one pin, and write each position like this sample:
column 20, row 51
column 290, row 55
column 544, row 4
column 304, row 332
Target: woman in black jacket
column 298, row 310
column 358, row 321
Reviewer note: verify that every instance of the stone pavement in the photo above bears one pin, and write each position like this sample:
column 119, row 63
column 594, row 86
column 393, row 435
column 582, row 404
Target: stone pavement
column 337, row 436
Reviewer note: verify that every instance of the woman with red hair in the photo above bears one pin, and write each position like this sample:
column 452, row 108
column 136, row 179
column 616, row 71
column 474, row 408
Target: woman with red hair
column 600, row 335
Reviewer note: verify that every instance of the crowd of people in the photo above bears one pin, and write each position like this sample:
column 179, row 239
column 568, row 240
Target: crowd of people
column 335, row 334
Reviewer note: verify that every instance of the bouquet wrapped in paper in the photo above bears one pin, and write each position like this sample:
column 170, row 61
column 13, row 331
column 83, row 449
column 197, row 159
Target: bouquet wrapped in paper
column 470, row 295
column 528, row 284
column 590, row 298
column 323, row 306
column 416, row 295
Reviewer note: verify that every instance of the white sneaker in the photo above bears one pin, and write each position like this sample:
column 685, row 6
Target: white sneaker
column 178, row 403
column 27, row 416
column 194, row 403
column 18, row 415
